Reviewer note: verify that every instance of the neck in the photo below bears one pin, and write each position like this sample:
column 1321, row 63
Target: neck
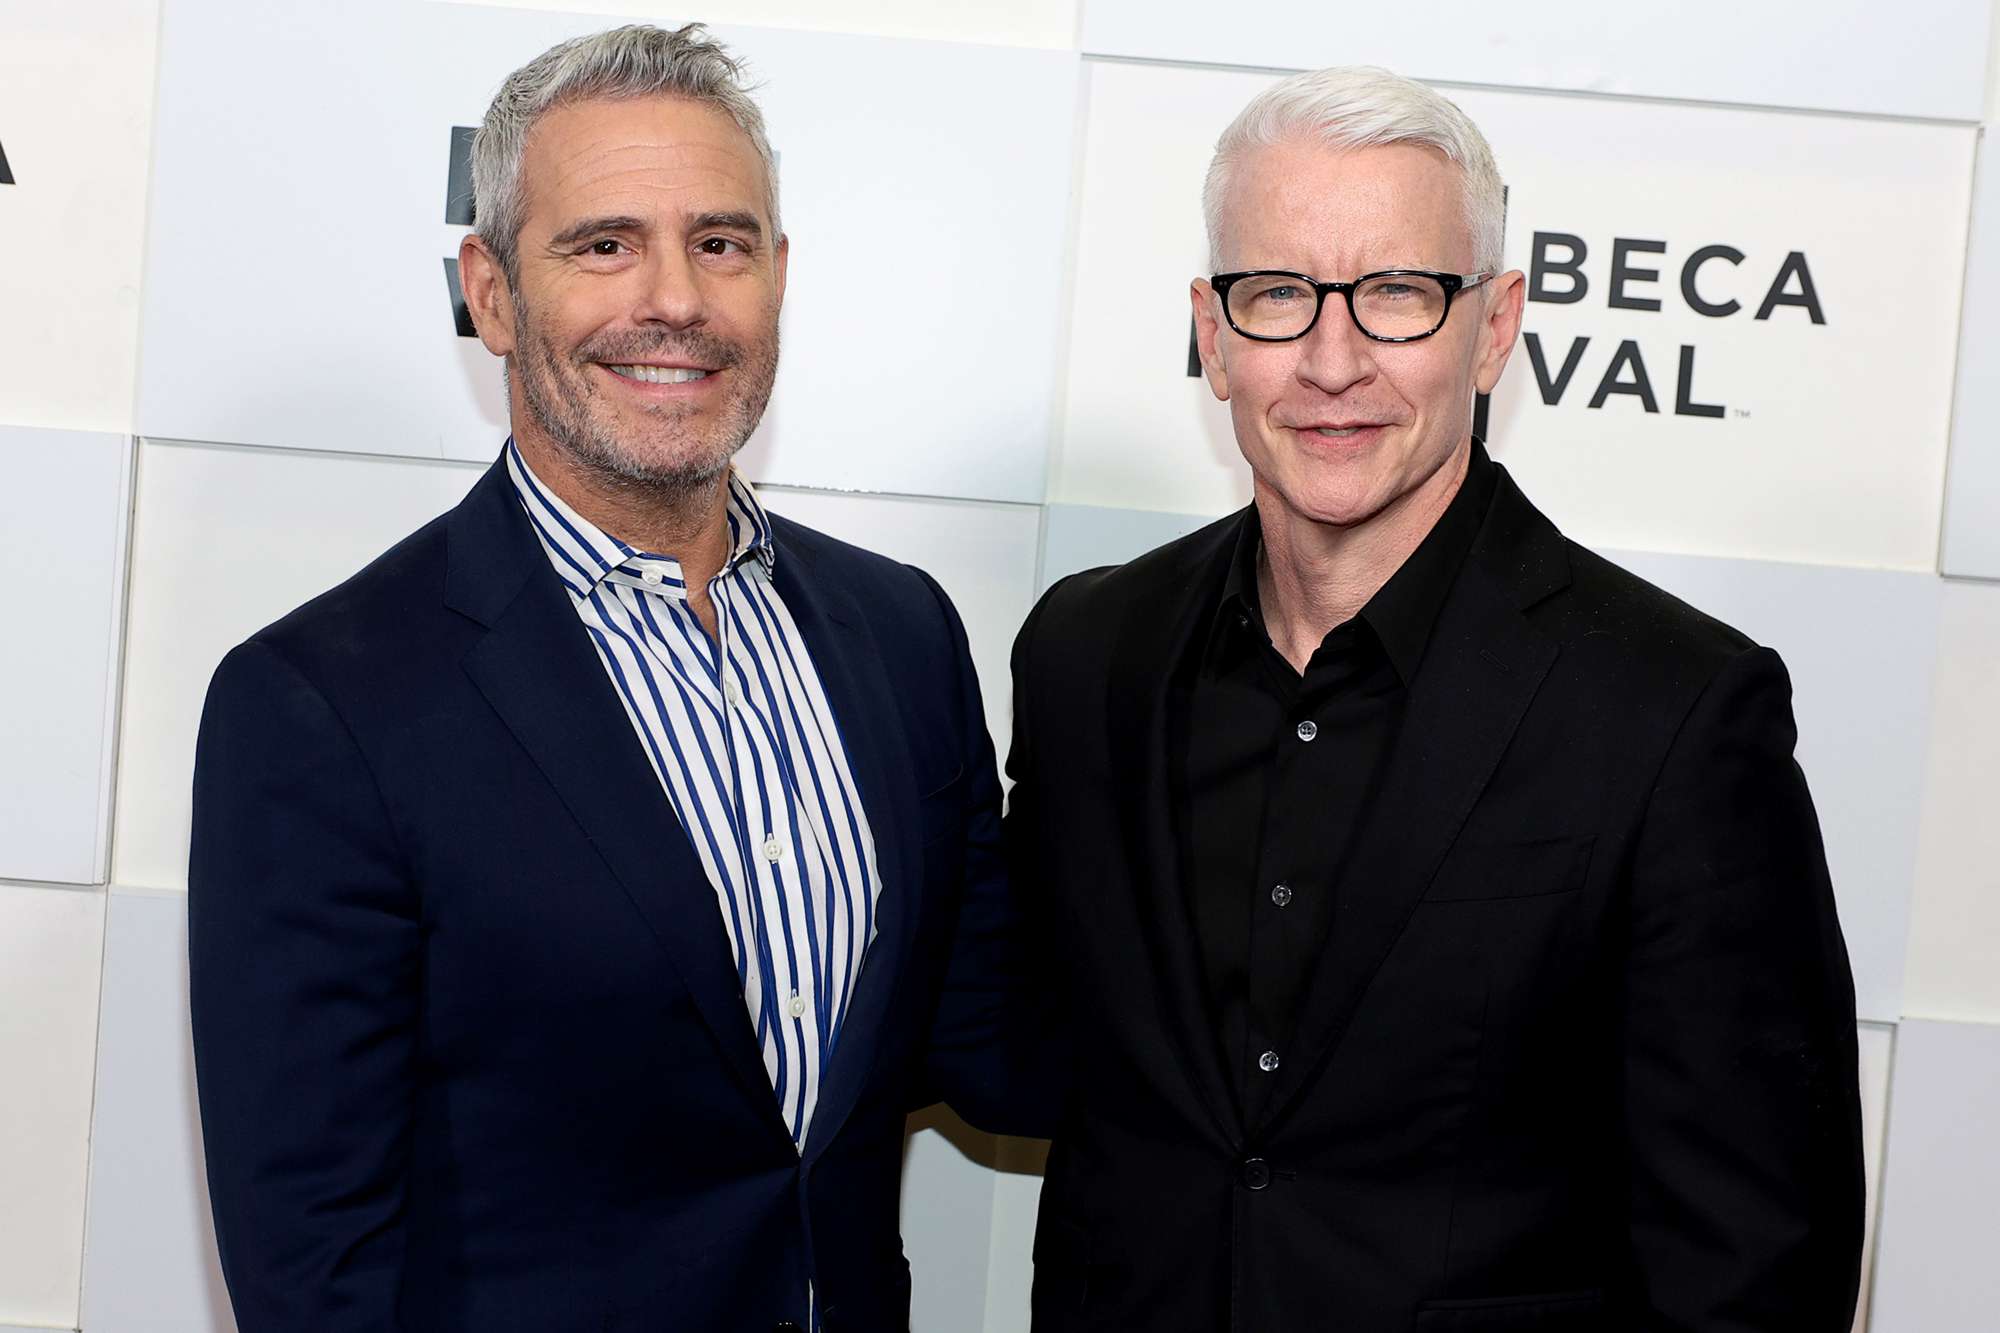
column 1314, row 576
column 689, row 523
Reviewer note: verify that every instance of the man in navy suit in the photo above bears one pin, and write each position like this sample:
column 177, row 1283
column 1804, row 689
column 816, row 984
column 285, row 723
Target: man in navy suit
column 583, row 892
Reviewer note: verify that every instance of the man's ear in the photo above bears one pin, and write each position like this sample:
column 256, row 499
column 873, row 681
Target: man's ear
column 1208, row 336
column 487, row 296
column 1502, row 327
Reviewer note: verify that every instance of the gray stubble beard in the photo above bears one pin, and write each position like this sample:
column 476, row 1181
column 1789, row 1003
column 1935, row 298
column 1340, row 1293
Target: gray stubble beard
column 561, row 407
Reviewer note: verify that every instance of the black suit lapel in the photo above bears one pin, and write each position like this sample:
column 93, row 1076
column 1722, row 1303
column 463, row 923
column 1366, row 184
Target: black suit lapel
column 537, row 668
column 1479, row 673
column 1148, row 666
column 847, row 656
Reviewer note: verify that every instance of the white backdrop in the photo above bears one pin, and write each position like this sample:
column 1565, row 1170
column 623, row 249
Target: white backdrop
column 229, row 375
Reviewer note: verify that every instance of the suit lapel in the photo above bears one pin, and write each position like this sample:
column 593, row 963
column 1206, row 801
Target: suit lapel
column 537, row 668
column 847, row 656
column 1147, row 667
column 1480, row 671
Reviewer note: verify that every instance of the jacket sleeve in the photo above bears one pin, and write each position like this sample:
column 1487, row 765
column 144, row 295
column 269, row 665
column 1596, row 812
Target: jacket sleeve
column 303, row 956
column 984, row 1055
column 1741, row 1101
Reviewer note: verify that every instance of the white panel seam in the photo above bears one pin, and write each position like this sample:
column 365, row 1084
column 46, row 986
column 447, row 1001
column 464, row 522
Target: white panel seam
column 288, row 451
column 114, row 691
column 90, row 1123
column 1057, row 446
column 1981, row 167
column 1542, row 90
column 1872, row 1220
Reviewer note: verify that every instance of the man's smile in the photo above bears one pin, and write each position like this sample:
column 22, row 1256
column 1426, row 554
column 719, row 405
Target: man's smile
column 658, row 374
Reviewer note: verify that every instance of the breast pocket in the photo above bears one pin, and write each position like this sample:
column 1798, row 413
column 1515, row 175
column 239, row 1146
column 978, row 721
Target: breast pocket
column 1480, row 870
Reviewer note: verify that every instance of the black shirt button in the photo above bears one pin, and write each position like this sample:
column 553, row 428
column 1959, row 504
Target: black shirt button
column 1256, row 1174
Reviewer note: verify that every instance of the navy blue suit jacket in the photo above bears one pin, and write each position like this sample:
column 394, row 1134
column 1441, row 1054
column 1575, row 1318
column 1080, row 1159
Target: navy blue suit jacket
column 471, row 1047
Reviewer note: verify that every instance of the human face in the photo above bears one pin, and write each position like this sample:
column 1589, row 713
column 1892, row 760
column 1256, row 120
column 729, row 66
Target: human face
column 642, row 328
column 1339, row 429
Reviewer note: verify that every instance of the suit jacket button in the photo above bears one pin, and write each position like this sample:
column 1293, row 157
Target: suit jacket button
column 786, row 1326
column 1256, row 1174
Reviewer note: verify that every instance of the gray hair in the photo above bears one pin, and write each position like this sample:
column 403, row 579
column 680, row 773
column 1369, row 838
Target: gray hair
column 1360, row 106
column 630, row 62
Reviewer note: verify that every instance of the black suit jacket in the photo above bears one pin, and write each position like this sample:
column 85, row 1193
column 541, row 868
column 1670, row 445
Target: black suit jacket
column 472, row 1054
column 1580, row 1051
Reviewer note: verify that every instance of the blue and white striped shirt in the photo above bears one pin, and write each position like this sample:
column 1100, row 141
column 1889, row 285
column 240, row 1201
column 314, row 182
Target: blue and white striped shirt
column 745, row 744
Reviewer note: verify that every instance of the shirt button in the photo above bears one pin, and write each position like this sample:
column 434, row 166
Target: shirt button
column 651, row 575
column 773, row 849
column 731, row 693
column 1268, row 1061
column 1281, row 894
column 1308, row 730
column 798, row 1005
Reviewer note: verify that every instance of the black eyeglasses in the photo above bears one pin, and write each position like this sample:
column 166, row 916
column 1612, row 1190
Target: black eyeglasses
column 1394, row 306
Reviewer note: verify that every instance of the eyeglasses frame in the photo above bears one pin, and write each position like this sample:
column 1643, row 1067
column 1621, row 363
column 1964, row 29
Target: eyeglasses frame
column 1453, row 284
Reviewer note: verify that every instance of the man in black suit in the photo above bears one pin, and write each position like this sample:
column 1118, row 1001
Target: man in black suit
column 582, row 894
column 1437, row 911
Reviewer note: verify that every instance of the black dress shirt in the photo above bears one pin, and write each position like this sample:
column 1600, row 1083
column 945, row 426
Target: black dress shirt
column 1276, row 771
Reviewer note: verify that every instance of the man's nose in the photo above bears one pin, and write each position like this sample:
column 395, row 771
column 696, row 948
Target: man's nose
column 1335, row 354
column 671, row 293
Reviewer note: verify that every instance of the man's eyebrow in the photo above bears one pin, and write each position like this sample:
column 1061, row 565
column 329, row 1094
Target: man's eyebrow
column 577, row 231
column 743, row 222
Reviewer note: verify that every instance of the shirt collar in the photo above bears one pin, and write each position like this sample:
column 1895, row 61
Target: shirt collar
column 1404, row 610
column 585, row 556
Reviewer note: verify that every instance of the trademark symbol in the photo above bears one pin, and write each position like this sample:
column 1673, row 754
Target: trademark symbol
column 1742, row 412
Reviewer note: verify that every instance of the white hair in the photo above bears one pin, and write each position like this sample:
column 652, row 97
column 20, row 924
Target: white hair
column 630, row 62
column 1360, row 106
